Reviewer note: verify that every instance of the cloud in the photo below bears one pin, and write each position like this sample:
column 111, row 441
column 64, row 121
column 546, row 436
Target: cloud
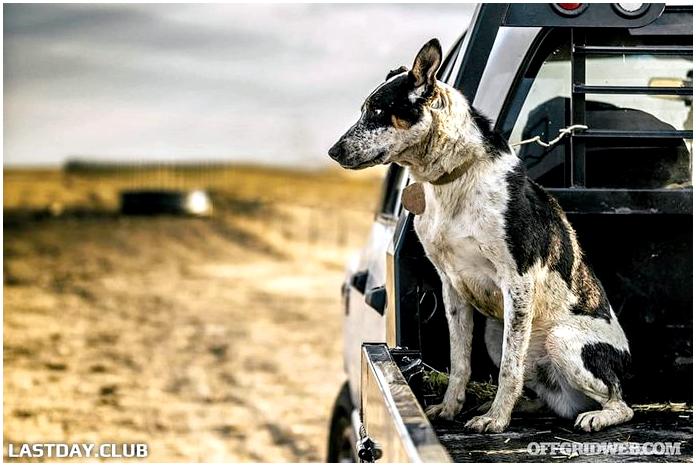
column 266, row 83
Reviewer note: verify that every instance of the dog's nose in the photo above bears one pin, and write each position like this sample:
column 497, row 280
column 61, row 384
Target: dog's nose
column 336, row 151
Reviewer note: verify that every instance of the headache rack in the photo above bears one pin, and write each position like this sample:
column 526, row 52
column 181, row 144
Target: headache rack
column 668, row 27
column 575, row 155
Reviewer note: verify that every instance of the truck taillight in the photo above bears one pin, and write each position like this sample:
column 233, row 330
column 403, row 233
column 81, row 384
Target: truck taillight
column 631, row 10
column 570, row 9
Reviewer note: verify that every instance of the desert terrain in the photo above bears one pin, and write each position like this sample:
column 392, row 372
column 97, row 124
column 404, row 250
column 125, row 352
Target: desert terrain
column 209, row 339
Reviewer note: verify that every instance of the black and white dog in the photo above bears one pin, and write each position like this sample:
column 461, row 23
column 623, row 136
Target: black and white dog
column 502, row 245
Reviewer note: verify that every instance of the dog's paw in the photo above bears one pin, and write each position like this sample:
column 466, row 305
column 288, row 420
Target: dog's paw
column 593, row 421
column 443, row 411
column 486, row 423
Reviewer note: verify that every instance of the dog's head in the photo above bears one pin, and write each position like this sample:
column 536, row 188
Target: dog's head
column 396, row 117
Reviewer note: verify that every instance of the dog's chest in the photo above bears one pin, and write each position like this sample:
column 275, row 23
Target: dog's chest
column 463, row 238
column 452, row 245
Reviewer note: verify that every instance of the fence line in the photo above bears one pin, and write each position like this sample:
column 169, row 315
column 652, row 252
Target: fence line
column 313, row 223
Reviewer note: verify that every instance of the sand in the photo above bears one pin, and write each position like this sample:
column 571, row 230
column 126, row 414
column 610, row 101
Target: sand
column 208, row 339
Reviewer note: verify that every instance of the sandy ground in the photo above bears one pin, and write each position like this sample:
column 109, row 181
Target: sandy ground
column 208, row 339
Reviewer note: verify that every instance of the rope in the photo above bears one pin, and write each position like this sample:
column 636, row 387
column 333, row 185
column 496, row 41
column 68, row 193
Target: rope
column 562, row 133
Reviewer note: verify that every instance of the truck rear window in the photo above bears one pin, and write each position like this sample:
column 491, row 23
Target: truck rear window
column 615, row 103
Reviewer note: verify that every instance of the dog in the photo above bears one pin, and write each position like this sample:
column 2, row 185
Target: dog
column 501, row 245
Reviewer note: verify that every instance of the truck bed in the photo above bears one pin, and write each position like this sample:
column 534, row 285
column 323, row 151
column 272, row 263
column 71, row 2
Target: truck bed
column 512, row 445
column 391, row 415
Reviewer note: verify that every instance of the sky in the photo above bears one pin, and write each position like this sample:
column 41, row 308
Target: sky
column 267, row 84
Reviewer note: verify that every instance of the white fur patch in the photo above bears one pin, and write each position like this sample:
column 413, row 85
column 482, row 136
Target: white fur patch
column 415, row 94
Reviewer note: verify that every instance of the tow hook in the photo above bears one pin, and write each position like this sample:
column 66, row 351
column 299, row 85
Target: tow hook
column 368, row 450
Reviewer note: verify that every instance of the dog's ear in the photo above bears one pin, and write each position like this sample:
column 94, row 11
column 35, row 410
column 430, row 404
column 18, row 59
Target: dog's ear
column 427, row 63
column 393, row 73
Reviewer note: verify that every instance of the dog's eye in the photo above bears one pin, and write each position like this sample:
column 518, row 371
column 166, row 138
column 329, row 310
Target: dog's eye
column 378, row 111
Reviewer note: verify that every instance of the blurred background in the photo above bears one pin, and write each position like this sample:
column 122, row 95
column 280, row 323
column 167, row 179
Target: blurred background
column 210, row 331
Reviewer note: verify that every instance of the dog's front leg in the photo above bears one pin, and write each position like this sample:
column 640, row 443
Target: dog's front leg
column 517, row 328
column 460, row 320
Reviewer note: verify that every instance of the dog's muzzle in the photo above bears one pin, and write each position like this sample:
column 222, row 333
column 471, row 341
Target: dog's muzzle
column 337, row 152
column 342, row 154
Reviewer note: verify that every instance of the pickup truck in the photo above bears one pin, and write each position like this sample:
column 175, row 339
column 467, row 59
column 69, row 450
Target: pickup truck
column 624, row 73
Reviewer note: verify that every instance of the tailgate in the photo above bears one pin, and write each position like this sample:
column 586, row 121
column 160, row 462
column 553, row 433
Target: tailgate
column 391, row 414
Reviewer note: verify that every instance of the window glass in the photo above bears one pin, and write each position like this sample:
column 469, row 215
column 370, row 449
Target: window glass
column 644, row 70
column 551, row 82
column 389, row 197
column 614, row 162
column 448, row 64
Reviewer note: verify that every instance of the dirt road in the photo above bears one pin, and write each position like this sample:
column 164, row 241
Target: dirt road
column 209, row 339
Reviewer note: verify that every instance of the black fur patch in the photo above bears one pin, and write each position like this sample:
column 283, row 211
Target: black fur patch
column 495, row 142
column 533, row 224
column 392, row 100
column 564, row 262
column 607, row 363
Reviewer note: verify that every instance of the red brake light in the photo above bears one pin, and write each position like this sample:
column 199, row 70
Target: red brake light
column 570, row 6
column 569, row 9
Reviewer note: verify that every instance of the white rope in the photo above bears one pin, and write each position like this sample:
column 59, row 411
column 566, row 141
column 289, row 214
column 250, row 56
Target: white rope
column 562, row 133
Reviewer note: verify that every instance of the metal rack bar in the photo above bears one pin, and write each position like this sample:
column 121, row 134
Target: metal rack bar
column 634, row 50
column 625, row 201
column 649, row 134
column 645, row 90
column 575, row 156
